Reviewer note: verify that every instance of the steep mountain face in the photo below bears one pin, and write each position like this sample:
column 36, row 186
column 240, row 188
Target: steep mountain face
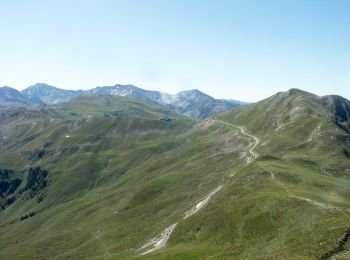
column 12, row 97
column 104, row 176
column 45, row 94
column 192, row 103
column 339, row 108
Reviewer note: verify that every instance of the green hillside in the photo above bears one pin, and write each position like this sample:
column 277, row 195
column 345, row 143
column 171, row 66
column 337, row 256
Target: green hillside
column 118, row 170
column 100, row 176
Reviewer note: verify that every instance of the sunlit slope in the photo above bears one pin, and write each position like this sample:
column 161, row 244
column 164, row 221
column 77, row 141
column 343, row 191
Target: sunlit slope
column 119, row 171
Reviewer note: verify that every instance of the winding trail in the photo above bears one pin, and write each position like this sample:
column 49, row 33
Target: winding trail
column 311, row 201
column 160, row 241
column 319, row 204
column 253, row 144
column 201, row 204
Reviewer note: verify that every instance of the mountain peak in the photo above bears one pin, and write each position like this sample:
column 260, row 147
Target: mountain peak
column 195, row 90
column 125, row 86
column 8, row 89
column 193, row 93
column 12, row 97
column 42, row 93
column 294, row 92
column 41, row 86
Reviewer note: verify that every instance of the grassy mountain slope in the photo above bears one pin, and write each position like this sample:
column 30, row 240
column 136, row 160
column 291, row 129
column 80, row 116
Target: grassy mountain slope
column 297, row 124
column 117, row 174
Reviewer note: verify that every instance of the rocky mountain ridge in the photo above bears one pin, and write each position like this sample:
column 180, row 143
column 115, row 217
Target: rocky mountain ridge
column 192, row 103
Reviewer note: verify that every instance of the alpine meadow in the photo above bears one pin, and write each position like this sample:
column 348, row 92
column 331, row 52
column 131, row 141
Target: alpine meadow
column 237, row 146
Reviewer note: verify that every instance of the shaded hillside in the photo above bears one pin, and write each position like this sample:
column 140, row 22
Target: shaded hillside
column 339, row 108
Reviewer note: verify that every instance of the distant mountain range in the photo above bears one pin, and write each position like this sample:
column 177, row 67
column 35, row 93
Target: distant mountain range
column 192, row 103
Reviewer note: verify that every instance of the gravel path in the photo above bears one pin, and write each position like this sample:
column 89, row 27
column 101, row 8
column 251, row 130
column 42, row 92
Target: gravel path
column 161, row 242
column 243, row 132
column 201, row 204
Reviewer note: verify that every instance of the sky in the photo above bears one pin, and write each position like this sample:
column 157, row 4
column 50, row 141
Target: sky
column 245, row 50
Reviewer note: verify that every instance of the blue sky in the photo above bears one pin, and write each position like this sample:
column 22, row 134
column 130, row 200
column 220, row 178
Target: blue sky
column 245, row 50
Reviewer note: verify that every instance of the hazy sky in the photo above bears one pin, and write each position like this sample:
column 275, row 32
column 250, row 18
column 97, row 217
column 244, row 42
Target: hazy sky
column 243, row 50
